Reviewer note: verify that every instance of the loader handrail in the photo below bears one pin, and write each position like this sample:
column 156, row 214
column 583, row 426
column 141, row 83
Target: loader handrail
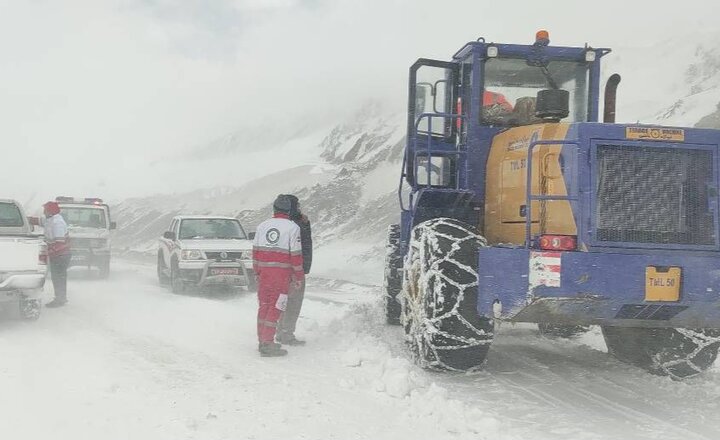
column 427, row 151
column 529, row 196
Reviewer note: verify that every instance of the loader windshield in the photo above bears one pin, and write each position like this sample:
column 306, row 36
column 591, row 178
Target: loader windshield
column 512, row 84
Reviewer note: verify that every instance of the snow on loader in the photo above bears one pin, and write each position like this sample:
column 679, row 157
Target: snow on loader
column 517, row 204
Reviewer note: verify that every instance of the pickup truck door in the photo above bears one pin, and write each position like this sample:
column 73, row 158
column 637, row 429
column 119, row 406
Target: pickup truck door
column 168, row 246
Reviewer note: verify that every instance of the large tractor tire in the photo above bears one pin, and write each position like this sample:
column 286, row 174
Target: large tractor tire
column 561, row 331
column 675, row 352
column 392, row 281
column 439, row 297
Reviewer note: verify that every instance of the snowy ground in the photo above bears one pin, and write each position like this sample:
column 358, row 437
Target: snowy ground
column 126, row 359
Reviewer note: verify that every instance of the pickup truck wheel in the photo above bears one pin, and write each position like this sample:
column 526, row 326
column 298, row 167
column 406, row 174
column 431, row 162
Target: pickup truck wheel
column 675, row 352
column 30, row 309
column 562, row 331
column 162, row 277
column 176, row 283
column 392, row 280
column 439, row 298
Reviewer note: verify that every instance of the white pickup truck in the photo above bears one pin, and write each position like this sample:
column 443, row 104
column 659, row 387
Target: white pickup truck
column 201, row 251
column 23, row 261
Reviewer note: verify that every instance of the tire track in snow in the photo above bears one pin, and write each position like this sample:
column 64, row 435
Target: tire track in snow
column 653, row 422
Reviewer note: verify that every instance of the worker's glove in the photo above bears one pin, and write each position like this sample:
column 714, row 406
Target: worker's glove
column 281, row 303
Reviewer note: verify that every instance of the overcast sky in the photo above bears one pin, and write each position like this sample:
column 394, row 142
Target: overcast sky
column 91, row 89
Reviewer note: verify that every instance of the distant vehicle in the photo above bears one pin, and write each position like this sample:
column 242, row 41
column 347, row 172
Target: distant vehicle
column 89, row 227
column 201, row 251
column 23, row 261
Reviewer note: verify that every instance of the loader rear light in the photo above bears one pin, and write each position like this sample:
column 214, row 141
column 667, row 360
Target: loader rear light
column 558, row 242
column 458, row 112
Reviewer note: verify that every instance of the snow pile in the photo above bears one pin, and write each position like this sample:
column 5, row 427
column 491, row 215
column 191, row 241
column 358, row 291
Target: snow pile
column 435, row 408
column 376, row 361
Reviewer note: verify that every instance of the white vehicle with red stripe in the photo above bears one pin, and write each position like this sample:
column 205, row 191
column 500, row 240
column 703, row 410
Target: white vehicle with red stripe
column 204, row 250
column 23, row 261
column 89, row 229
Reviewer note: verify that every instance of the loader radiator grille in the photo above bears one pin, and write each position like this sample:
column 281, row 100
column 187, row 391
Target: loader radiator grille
column 654, row 195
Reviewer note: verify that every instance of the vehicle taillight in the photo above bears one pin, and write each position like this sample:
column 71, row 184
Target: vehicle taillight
column 43, row 255
column 458, row 112
column 558, row 242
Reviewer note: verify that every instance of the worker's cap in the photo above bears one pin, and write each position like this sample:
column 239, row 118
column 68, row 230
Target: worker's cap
column 283, row 203
column 51, row 208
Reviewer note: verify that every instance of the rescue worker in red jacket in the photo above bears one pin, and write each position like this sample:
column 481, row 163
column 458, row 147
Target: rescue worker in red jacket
column 56, row 237
column 278, row 264
column 288, row 321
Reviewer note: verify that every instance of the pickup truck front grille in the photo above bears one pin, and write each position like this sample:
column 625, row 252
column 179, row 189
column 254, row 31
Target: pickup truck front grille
column 229, row 256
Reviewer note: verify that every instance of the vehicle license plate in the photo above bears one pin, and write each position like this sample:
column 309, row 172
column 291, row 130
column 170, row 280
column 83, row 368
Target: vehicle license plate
column 662, row 283
column 224, row 271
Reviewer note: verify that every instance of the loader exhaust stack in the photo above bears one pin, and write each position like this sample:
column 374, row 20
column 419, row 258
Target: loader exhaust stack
column 610, row 98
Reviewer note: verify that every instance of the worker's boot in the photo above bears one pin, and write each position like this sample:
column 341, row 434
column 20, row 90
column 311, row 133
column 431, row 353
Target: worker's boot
column 271, row 349
column 289, row 340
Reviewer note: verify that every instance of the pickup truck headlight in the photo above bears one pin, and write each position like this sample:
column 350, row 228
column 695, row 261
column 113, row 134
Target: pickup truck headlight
column 192, row 255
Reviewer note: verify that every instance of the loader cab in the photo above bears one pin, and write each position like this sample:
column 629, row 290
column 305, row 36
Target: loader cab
column 457, row 107
column 488, row 87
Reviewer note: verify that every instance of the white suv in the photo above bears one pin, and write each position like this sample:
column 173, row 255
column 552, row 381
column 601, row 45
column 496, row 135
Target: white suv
column 89, row 227
column 205, row 250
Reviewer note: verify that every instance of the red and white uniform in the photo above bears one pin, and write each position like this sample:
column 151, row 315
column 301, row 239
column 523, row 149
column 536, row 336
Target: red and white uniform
column 56, row 236
column 278, row 262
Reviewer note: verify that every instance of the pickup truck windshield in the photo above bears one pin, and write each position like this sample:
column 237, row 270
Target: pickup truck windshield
column 211, row 228
column 84, row 217
column 10, row 215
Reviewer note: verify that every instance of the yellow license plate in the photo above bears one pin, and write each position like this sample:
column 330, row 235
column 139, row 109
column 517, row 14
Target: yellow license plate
column 662, row 283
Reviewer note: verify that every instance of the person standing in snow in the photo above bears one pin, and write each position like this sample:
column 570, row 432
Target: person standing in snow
column 278, row 265
column 56, row 237
column 288, row 321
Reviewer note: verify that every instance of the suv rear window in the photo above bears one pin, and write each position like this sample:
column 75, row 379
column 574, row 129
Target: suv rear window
column 10, row 216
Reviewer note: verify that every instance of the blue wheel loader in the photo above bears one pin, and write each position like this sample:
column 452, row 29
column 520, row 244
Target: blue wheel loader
column 519, row 204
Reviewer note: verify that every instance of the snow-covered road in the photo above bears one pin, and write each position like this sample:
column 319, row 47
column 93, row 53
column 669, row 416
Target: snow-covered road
column 126, row 359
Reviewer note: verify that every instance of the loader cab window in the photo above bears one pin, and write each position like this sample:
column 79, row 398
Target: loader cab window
column 439, row 171
column 434, row 91
column 512, row 84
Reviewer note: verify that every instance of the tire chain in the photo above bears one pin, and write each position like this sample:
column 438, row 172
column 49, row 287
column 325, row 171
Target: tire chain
column 420, row 324
column 701, row 339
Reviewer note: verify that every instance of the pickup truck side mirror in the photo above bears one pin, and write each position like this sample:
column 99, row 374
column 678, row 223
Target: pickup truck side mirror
column 251, row 236
column 170, row 235
column 34, row 221
column 113, row 225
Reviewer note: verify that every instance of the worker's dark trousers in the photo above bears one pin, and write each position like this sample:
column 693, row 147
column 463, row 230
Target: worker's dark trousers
column 288, row 321
column 58, row 274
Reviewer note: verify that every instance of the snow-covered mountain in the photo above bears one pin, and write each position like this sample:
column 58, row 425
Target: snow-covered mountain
column 349, row 194
column 347, row 175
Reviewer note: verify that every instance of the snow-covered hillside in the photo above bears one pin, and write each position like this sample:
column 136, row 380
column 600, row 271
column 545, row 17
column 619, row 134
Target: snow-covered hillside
column 348, row 191
column 674, row 82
